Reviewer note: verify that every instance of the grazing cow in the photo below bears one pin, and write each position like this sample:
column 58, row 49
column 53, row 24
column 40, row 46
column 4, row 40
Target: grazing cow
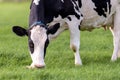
column 48, row 18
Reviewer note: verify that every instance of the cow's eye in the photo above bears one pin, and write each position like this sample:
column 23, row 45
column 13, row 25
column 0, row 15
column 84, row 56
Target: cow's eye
column 31, row 43
column 31, row 46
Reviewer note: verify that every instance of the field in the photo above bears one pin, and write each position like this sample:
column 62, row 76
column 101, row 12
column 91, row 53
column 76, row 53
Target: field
column 96, row 50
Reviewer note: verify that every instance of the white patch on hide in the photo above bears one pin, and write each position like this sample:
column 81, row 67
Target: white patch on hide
column 75, row 36
column 91, row 18
column 63, row 27
column 36, row 2
column 62, row 1
column 76, row 4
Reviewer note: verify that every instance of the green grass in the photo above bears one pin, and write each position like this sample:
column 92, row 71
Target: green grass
column 96, row 50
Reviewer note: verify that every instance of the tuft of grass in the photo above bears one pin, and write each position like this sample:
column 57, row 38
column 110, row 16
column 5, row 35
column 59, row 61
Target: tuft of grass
column 95, row 50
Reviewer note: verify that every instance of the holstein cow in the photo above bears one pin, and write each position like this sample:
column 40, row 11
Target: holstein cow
column 48, row 18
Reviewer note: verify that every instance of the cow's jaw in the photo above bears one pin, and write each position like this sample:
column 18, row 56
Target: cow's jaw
column 38, row 59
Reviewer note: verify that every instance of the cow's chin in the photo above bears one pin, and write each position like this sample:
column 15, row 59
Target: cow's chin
column 33, row 66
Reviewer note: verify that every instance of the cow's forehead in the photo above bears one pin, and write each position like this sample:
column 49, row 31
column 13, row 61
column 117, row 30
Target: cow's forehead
column 38, row 30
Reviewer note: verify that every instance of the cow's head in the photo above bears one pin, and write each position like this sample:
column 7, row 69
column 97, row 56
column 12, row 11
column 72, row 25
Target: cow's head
column 38, row 41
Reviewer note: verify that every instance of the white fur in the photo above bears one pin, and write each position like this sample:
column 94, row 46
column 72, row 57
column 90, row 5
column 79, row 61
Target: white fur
column 38, row 36
column 116, row 34
column 63, row 27
column 36, row 2
column 62, row 1
column 91, row 18
column 78, row 12
column 75, row 37
column 73, row 26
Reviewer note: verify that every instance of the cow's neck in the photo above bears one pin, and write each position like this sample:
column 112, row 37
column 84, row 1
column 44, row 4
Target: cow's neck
column 36, row 12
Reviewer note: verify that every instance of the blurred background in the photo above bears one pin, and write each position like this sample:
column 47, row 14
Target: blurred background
column 14, row 0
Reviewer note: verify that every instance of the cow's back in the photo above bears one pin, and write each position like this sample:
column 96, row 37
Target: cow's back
column 97, row 13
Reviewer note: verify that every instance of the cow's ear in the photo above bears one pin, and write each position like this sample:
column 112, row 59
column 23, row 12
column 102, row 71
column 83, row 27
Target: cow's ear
column 53, row 29
column 19, row 31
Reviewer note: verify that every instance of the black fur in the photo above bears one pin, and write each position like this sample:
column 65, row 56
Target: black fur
column 31, row 45
column 53, row 29
column 19, row 31
column 47, row 10
column 100, row 5
column 45, row 47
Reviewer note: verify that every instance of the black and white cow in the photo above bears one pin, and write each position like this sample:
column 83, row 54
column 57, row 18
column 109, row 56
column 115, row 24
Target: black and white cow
column 48, row 18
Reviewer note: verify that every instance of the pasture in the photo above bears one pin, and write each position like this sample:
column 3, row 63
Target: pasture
column 96, row 50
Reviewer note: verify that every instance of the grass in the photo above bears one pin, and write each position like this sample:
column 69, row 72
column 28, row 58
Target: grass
column 96, row 50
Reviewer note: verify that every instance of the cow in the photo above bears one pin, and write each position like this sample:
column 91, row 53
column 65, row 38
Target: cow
column 48, row 18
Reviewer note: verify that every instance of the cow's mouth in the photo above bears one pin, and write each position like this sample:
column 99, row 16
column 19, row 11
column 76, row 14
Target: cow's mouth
column 35, row 67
